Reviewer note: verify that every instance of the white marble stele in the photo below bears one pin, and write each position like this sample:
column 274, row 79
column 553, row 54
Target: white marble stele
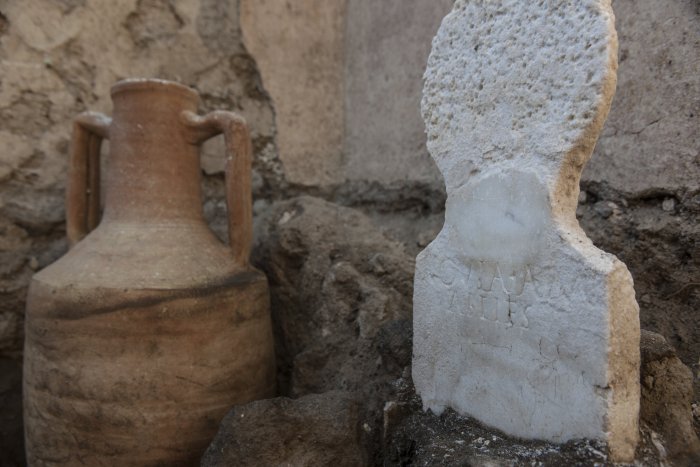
column 519, row 321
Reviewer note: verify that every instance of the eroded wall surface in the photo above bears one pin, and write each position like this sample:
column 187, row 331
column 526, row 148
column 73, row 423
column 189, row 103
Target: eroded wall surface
column 651, row 140
column 345, row 78
column 299, row 49
column 386, row 47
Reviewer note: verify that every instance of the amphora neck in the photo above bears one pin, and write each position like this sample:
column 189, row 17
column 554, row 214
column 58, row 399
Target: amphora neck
column 153, row 170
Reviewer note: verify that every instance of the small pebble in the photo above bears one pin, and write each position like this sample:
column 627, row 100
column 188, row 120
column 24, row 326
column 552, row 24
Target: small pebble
column 604, row 209
column 424, row 238
column 668, row 205
column 285, row 218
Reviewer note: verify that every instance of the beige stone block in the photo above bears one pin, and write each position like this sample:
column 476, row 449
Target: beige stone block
column 298, row 47
column 386, row 47
column 650, row 143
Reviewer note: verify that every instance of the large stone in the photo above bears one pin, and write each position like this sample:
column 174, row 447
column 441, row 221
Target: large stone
column 341, row 298
column 667, row 391
column 319, row 429
column 519, row 321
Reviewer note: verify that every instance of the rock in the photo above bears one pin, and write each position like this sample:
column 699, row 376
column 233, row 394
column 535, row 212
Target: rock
column 394, row 342
column 667, row 395
column 513, row 305
column 668, row 205
column 604, row 209
column 341, row 304
column 318, row 429
column 340, row 293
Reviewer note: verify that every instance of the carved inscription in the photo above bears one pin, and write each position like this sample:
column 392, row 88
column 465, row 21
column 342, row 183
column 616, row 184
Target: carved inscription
column 486, row 290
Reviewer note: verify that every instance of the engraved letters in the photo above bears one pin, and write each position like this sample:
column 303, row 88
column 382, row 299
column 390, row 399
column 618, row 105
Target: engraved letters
column 485, row 290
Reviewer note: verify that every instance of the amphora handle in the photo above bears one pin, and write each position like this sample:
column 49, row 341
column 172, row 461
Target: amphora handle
column 83, row 190
column 239, row 198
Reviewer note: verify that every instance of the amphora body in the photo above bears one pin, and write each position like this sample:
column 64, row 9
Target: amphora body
column 149, row 329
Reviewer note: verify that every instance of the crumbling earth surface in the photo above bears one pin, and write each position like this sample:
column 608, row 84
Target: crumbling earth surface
column 656, row 235
column 318, row 429
column 341, row 296
column 667, row 392
column 341, row 303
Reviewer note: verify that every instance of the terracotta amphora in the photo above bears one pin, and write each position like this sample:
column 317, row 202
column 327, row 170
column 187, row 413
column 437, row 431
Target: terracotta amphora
column 148, row 330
